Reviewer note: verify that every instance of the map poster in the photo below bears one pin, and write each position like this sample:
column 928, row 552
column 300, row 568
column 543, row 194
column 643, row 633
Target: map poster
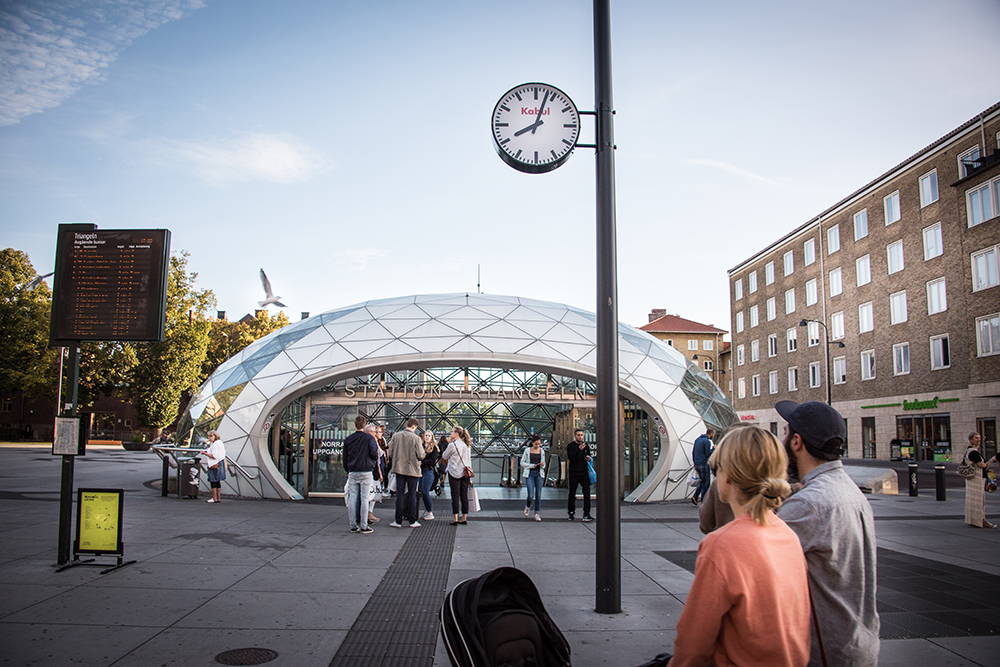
column 99, row 521
column 67, row 441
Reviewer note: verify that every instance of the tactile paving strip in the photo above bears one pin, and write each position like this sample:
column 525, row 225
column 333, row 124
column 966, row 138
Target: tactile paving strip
column 398, row 627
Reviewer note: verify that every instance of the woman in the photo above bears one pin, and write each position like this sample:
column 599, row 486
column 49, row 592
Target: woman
column 380, row 480
column 215, row 457
column 975, row 488
column 459, row 455
column 532, row 461
column 428, row 473
column 749, row 603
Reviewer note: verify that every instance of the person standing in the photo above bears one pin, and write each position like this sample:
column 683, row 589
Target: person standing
column 578, row 453
column 975, row 487
column 216, row 461
column 406, row 451
column 360, row 458
column 458, row 456
column 428, row 473
column 836, row 528
column 532, row 461
column 699, row 456
column 380, row 474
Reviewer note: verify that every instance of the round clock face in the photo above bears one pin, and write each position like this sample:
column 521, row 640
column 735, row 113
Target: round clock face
column 535, row 127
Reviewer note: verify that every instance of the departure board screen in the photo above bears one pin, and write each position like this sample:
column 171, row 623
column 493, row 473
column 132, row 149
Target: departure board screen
column 109, row 285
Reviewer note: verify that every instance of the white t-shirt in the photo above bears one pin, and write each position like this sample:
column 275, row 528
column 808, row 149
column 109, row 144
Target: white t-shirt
column 215, row 453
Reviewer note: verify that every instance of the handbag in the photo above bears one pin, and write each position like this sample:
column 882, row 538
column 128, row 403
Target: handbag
column 468, row 469
column 591, row 472
column 392, row 482
column 991, row 481
column 966, row 469
column 695, row 479
column 473, row 499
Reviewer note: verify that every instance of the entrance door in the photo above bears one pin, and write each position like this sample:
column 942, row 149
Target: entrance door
column 329, row 425
column 640, row 444
column 929, row 436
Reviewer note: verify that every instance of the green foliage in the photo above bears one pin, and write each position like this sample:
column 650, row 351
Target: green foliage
column 26, row 362
column 228, row 338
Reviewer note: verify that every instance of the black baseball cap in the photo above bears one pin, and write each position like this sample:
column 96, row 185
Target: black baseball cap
column 820, row 426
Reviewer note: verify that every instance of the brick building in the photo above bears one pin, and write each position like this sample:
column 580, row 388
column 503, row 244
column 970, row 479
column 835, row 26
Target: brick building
column 895, row 290
column 701, row 343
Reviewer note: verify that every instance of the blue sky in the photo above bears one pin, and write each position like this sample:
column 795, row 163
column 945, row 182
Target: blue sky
column 344, row 147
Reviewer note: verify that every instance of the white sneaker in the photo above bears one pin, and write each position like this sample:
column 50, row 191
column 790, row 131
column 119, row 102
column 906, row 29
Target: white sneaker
column 415, row 524
column 211, row 500
column 538, row 517
column 527, row 511
column 395, row 525
column 429, row 516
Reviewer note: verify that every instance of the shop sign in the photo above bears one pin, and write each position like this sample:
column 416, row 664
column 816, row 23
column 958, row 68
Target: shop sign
column 921, row 405
column 748, row 418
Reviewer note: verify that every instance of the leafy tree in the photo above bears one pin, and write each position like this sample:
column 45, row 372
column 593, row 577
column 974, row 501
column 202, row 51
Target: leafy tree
column 26, row 362
column 106, row 368
column 167, row 371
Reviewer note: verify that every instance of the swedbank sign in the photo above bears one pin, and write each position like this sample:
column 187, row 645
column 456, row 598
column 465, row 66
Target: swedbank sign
column 921, row 405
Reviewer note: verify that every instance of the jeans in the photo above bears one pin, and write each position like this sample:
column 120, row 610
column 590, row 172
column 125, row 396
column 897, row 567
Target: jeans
column 426, row 484
column 406, row 498
column 706, row 480
column 534, row 484
column 359, row 486
column 583, row 479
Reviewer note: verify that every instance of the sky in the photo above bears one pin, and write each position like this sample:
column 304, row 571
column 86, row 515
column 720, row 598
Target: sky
column 345, row 148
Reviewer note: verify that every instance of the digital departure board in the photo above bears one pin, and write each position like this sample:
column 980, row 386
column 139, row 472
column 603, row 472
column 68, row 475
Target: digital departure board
column 109, row 285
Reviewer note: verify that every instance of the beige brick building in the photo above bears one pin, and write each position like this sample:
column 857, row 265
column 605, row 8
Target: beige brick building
column 700, row 343
column 888, row 302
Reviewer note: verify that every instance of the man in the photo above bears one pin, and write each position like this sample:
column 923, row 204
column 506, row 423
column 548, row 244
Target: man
column 578, row 453
column 834, row 523
column 699, row 456
column 406, row 451
column 360, row 458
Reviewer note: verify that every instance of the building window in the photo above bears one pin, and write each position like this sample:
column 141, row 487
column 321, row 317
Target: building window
column 901, row 359
column 772, row 309
column 772, row 382
column 754, row 316
column 967, row 161
column 755, row 385
column 772, row 345
column 984, row 269
column 812, row 292
column 933, row 244
column 837, row 326
column 940, row 352
column 693, row 345
column 809, row 251
column 738, row 290
column 928, row 189
column 670, row 342
column 769, row 273
column 863, row 269
column 833, row 239
column 894, row 252
column 792, row 339
column 866, row 317
column 980, row 204
column 708, row 345
column 740, row 355
column 937, row 296
column 755, row 350
column 839, row 370
column 861, row 224
column 897, row 307
column 741, row 388
column 815, row 378
column 789, row 301
column 789, row 260
column 6, row 405
column 793, row 378
column 891, row 204
column 812, row 331
column 752, row 282
column 708, row 365
column 836, row 282
column 988, row 334
column 868, row 365
column 739, row 322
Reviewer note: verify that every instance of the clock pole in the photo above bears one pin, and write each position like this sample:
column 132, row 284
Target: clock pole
column 608, row 557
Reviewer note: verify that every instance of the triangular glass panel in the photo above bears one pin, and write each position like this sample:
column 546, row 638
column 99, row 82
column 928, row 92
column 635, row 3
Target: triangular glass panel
column 641, row 342
column 238, row 376
column 338, row 315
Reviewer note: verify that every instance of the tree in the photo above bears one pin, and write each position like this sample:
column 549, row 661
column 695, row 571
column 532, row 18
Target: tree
column 26, row 362
column 227, row 338
column 167, row 371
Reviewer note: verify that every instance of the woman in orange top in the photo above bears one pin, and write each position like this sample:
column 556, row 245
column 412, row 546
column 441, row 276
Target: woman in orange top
column 749, row 603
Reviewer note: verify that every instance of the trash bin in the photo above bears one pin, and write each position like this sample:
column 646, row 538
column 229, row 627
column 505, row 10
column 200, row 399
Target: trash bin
column 188, row 477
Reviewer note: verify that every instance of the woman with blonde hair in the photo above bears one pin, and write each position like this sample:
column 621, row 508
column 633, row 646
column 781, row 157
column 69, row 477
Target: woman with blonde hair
column 975, row 487
column 749, row 603
column 459, row 457
column 428, row 473
column 215, row 457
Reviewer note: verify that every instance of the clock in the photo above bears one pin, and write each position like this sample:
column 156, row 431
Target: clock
column 535, row 127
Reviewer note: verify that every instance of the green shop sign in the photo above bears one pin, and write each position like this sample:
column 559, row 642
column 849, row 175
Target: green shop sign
column 930, row 404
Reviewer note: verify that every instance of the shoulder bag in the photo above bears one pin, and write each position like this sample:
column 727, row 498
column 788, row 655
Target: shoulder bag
column 967, row 470
column 468, row 469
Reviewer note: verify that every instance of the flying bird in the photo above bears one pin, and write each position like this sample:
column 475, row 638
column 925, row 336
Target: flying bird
column 269, row 297
column 36, row 281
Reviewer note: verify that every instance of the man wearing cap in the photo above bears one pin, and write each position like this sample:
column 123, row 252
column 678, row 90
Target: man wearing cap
column 835, row 525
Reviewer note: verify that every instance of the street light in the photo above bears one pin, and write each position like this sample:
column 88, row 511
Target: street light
column 826, row 331
column 715, row 365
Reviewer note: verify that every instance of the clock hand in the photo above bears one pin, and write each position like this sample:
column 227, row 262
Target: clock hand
column 538, row 118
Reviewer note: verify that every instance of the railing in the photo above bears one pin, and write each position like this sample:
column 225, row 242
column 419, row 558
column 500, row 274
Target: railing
column 163, row 450
column 973, row 165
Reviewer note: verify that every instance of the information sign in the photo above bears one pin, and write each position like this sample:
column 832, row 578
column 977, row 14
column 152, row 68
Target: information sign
column 68, row 440
column 109, row 285
column 98, row 521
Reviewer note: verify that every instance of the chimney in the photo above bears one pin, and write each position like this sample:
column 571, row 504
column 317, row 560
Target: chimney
column 305, row 315
column 221, row 315
column 657, row 313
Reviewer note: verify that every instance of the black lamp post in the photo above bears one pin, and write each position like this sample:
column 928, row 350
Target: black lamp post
column 715, row 366
column 826, row 331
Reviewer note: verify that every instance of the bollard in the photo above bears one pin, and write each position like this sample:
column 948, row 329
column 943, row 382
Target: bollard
column 939, row 481
column 165, row 479
column 913, row 479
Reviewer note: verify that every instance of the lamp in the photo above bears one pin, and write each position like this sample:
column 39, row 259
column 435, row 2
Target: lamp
column 840, row 344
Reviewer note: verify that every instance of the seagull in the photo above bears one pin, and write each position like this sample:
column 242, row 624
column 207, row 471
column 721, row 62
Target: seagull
column 37, row 281
column 269, row 297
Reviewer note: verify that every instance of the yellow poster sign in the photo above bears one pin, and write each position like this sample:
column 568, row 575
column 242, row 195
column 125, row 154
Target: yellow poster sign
column 98, row 520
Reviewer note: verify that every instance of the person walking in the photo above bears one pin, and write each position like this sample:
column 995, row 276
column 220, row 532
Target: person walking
column 578, row 453
column 406, row 451
column 975, row 487
column 699, row 457
column 428, row 473
column 836, row 528
column 360, row 458
column 458, row 456
column 749, row 602
column 532, row 462
column 216, row 461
